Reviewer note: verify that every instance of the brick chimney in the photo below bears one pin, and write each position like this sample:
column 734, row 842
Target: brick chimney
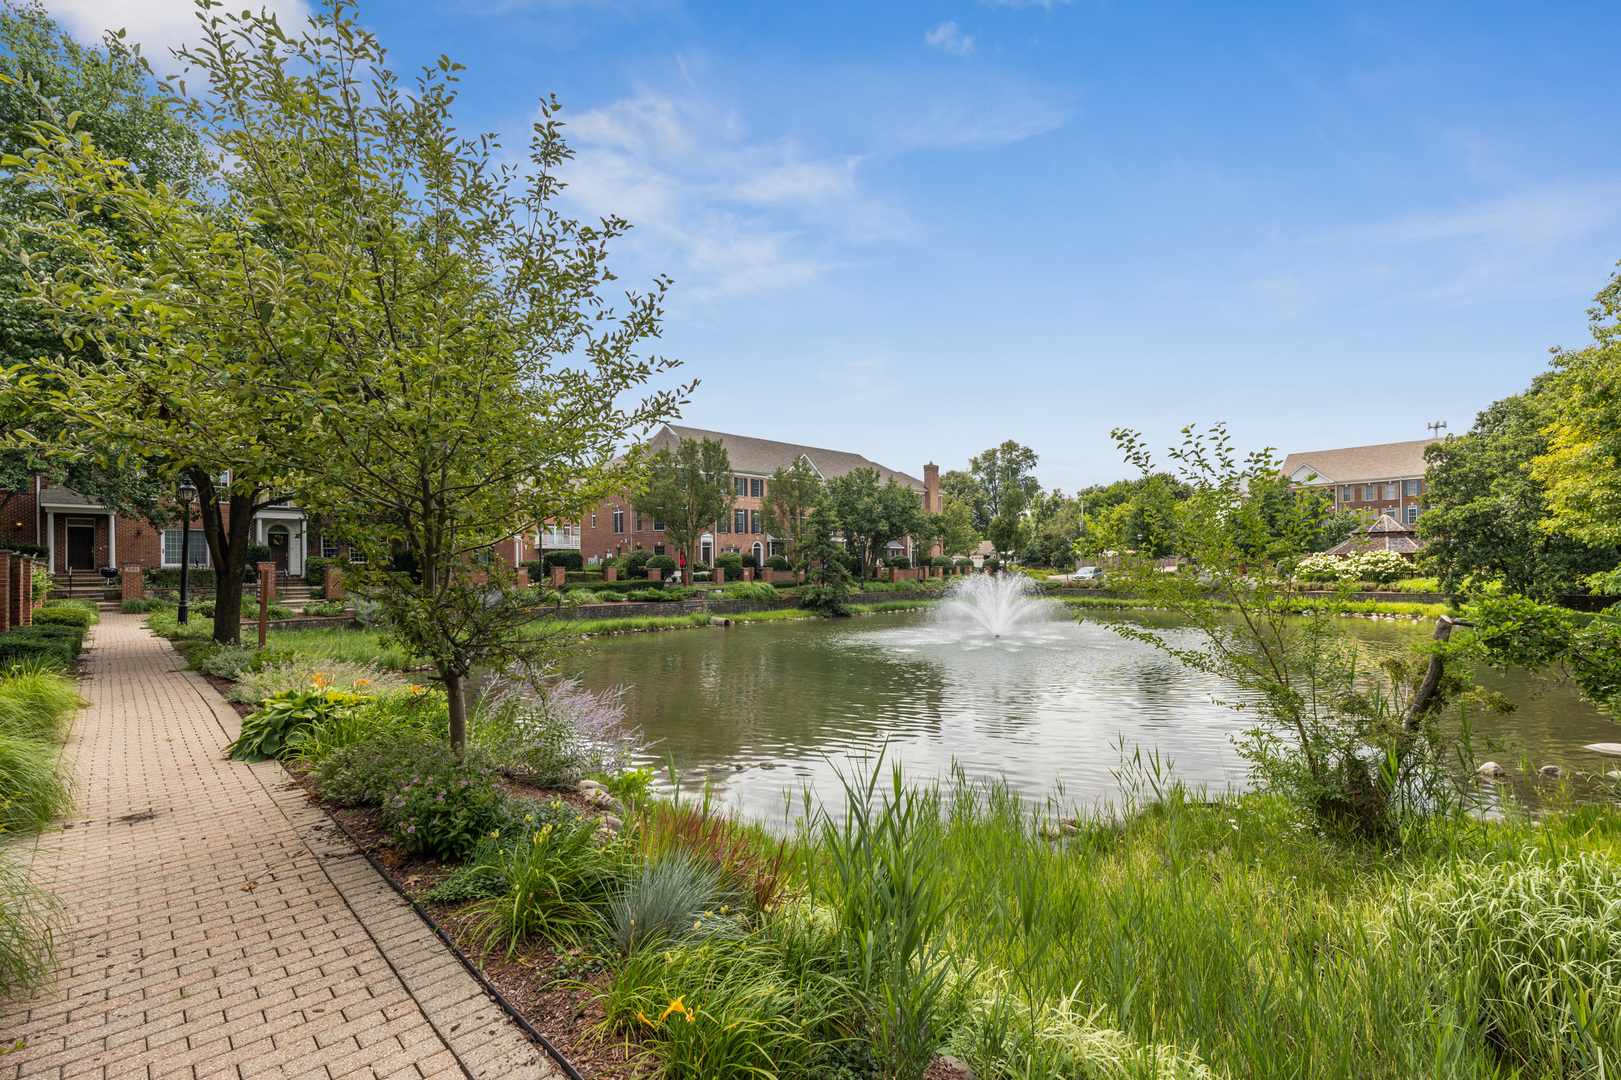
column 931, row 496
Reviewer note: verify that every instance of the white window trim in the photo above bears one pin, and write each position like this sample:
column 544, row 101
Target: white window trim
column 197, row 537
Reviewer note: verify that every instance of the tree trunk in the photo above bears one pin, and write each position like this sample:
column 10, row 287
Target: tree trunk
column 455, row 694
column 228, row 547
column 1432, row 675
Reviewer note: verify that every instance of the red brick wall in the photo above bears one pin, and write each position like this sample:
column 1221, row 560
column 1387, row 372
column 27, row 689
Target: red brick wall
column 19, row 518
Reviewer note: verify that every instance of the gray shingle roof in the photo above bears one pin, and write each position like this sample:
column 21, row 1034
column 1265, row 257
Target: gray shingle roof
column 762, row 457
column 1386, row 534
column 1356, row 464
column 62, row 496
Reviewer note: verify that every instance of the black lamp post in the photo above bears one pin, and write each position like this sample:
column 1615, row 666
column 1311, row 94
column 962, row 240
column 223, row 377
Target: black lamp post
column 188, row 495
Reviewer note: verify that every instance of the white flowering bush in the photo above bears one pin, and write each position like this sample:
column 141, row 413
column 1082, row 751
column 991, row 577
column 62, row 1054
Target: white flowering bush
column 1324, row 567
column 1379, row 567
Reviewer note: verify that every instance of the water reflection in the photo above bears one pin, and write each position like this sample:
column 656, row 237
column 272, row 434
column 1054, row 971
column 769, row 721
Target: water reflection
column 1049, row 708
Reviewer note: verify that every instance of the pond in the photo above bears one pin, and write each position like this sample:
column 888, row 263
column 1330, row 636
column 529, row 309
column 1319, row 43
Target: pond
column 763, row 711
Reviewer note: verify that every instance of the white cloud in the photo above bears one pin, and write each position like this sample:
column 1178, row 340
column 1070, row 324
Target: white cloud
column 158, row 25
column 948, row 37
column 722, row 211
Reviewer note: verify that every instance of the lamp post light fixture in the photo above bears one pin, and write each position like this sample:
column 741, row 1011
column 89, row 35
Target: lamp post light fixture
column 188, row 495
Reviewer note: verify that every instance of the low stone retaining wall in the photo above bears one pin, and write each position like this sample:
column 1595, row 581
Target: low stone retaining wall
column 636, row 609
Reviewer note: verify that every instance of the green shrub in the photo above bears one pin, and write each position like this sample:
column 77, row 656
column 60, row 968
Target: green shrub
column 663, row 563
column 165, row 622
column 62, row 617
column 567, row 558
column 669, row 592
column 416, row 713
column 329, row 609
column 580, row 596
column 225, row 662
column 443, row 803
column 199, row 577
column 752, row 590
column 729, row 561
column 89, row 607
column 283, row 720
column 778, row 562
column 634, row 564
column 37, row 551
column 899, row 562
column 144, row 606
column 50, row 645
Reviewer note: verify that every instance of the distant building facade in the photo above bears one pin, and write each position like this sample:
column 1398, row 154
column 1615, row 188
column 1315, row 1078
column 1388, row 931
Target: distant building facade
column 614, row 527
column 1383, row 479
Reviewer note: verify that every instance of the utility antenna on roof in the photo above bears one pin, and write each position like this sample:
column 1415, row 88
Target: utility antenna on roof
column 1436, row 427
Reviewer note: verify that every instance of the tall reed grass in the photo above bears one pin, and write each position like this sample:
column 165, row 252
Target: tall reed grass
column 29, row 917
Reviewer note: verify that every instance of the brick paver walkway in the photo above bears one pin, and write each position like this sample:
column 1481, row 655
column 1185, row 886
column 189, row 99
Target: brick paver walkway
column 216, row 929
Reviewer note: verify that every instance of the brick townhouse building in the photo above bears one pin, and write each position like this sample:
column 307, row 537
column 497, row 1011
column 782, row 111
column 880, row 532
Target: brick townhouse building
column 1386, row 478
column 615, row 528
column 81, row 536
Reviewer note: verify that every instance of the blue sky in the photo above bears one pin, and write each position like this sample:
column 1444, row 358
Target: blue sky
column 917, row 230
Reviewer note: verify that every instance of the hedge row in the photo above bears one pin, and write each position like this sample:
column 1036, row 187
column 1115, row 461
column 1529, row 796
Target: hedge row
column 51, row 644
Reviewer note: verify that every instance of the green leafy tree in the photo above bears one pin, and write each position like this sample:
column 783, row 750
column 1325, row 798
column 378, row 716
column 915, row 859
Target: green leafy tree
column 1336, row 527
column 1006, row 475
column 1485, row 521
column 381, row 306
column 1349, row 743
column 827, row 589
column 791, row 497
column 1581, row 468
column 113, row 96
column 965, row 487
column 954, row 527
column 687, row 490
column 871, row 515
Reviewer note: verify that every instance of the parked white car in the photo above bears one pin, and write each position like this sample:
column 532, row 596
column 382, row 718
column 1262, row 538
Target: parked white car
column 1089, row 573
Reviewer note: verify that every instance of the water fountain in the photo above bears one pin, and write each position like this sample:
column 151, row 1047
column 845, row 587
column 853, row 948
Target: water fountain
column 1000, row 606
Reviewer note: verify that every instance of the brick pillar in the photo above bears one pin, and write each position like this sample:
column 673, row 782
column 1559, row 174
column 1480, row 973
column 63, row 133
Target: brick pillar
column 610, row 573
column 720, row 576
column 23, row 591
column 748, row 573
column 132, row 585
column 5, row 590
column 654, row 574
column 334, row 582
column 523, row 577
column 559, row 578
column 894, row 574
